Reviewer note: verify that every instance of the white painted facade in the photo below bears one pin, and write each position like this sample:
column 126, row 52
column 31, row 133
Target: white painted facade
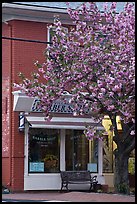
column 52, row 181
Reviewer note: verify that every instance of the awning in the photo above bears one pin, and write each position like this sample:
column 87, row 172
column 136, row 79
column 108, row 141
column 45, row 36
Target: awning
column 22, row 102
column 62, row 114
column 61, row 121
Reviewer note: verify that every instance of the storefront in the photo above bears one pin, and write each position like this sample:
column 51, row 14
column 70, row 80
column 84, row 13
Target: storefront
column 58, row 144
column 61, row 138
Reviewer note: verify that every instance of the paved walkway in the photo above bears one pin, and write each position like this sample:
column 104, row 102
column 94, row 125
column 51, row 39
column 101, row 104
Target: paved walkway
column 73, row 196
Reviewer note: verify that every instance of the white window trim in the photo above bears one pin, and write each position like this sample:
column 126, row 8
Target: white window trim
column 53, row 27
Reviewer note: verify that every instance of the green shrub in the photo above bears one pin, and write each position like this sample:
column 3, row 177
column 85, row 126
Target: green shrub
column 123, row 188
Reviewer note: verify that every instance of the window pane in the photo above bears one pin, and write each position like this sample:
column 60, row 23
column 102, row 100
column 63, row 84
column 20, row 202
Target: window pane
column 51, row 34
column 93, row 156
column 131, row 163
column 107, row 154
column 81, row 154
column 43, row 150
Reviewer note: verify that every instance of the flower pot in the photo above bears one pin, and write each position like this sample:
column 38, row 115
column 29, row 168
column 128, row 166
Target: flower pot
column 104, row 188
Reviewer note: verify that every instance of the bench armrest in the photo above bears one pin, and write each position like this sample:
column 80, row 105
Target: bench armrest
column 94, row 179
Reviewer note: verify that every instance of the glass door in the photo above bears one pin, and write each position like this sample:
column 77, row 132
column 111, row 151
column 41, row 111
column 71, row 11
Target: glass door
column 76, row 150
column 80, row 153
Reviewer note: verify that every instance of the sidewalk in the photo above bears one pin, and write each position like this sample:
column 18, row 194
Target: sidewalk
column 73, row 196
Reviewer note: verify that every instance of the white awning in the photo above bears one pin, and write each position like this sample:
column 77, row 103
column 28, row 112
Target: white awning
column 61, row 121
column 62, row 114
column 22, row 102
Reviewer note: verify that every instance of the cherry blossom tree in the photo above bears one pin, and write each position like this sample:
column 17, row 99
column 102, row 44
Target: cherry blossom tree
column 95, row 62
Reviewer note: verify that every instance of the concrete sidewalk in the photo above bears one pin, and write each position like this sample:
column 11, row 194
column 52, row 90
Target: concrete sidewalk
column 73, row 196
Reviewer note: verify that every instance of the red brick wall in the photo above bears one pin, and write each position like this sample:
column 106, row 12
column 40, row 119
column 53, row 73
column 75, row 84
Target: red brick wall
column 18, row 56
column 6, row 59
column 5, row 132
column 24, row 55
column 27, row 53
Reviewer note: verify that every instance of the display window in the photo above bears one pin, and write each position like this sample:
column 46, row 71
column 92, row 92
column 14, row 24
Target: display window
column 108, row 156
column 80, row 153
column 44, row 154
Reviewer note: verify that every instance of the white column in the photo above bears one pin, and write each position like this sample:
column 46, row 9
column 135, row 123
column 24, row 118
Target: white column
column 26, row 149
column 62, row 149
column 100, row 157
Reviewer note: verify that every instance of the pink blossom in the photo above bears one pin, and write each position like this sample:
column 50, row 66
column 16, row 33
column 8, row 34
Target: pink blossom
column 132, row 132
column 93, row 57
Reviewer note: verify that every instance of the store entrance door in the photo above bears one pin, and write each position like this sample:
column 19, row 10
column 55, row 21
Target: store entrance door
column 80, row 152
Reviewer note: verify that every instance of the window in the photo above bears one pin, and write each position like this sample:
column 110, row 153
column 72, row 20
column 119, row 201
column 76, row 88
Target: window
column 108, row 157
column 81, row 154
column 131, row 163
column 93, row 156
column 44, row 150
column 51, row 32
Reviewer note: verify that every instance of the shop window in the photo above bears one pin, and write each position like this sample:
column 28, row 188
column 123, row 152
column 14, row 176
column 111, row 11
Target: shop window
column 93, row 156
column 81, row 154
column 131, row 163
column 108, row 157
column 43, row 156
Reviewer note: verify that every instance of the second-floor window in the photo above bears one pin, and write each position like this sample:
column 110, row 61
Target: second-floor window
column 51, row 32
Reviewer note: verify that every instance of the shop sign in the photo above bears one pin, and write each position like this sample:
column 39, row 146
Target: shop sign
column 24, row 103
column 36, row 166
column 21, row 121
column 58, row 107
column 43, row 139
column 92, row 167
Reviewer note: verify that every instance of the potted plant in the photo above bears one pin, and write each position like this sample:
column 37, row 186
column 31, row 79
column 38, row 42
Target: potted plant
column 51, row 162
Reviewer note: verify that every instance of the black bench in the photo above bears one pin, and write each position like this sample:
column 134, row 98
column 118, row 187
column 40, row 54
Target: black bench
column 78, row 177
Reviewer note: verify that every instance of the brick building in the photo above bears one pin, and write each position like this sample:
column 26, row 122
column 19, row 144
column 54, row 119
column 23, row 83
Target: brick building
column 25, row 36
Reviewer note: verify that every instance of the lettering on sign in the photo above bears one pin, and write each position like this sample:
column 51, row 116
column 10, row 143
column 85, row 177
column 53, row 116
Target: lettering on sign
column 58, row 107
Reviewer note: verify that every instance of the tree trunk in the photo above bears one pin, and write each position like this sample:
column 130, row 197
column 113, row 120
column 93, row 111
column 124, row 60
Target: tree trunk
column 121, row 180
column 125, row 144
